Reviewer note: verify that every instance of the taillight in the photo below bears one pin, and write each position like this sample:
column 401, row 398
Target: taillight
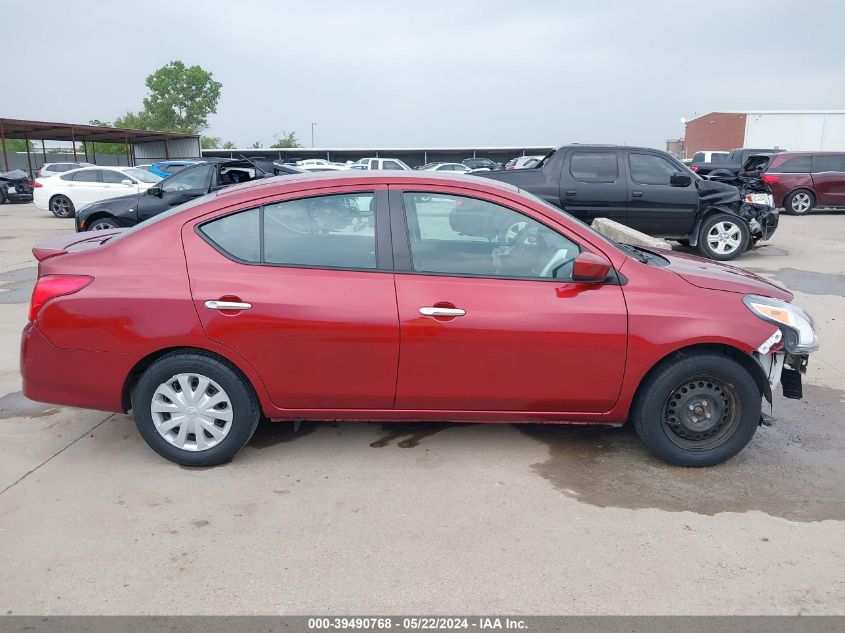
column 52, row 286
column 36, row 184
column 693, row 168
column 770, row 178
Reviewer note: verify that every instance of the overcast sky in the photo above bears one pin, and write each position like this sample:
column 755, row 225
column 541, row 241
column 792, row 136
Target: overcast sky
column 431, row 73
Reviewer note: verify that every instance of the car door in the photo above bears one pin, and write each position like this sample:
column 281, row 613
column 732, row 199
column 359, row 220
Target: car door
column 655, row 206
column 828, row 172
column 185, row 185
column 490, row 319
column 315, row 303
column 84, row 187
column 113, row 185
column 593, row 185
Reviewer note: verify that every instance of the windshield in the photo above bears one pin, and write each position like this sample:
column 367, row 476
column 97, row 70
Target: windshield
column 142, row 174
column 161, row 216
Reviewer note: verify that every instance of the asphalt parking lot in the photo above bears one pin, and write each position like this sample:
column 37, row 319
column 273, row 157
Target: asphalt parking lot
column 438, row 518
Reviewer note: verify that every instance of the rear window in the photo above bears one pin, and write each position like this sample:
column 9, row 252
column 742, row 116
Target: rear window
column 796, row 165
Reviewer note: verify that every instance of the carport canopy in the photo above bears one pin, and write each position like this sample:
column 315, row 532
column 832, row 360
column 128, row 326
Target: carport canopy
column 75, row 133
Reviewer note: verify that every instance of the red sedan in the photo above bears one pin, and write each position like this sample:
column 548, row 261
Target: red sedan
column 402, row 296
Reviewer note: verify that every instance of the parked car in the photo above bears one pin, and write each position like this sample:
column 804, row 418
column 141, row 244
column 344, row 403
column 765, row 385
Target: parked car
column 732, row 163
column 524, row 162
column 801, row 181
column 710, row 156
column 481, row 163
column 15, row 186
column 187, row 184
column 64, row 193
column 452, row 167
column 380, row 163
column 51, row 169
column 319, row 164
column 476, row 302
column 165, row 168
column 652, row 192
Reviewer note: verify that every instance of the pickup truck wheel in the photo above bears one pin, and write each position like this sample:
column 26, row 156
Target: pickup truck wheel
column 799, row 202
column 723, row 237
column 698, row 409
column 62, row 207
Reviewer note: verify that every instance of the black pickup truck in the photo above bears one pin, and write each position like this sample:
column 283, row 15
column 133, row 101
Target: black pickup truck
column 733, row 162
column 652, row 192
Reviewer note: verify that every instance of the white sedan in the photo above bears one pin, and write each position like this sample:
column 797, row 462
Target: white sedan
column 64, row 193
column 453, row 167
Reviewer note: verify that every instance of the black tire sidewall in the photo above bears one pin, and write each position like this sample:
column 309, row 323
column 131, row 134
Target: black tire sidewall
column 647, row 412
column 244, row 407
column 708, row 223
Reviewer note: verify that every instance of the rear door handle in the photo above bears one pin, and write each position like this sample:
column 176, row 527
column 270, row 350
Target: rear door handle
column 227, row 305
column 435, row 311
column 637, row 194
column 570, row 192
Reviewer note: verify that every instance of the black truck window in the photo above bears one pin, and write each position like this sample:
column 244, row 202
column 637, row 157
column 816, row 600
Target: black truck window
column 648, row 169
column 594, row 166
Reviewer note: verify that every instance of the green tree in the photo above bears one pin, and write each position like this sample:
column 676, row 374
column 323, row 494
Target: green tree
column 229, row 145
column 285, row 139
column 18, row 145
column 103, row 148
column 210, row 142
column 256, row 145
column 181, row 98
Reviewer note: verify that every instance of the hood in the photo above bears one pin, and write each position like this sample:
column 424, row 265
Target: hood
column 712, row 192
column 705, row 273
column 112, row 204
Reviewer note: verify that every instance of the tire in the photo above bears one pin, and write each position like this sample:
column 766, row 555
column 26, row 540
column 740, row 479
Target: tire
column 723, row 237
column 62, row 207
column 102, row 224
column 799, row 202
column 226, row 425
column 713, row 384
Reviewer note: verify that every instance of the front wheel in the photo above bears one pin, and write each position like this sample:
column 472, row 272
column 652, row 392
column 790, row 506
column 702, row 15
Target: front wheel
column 194, row 409
column 698, row 409
column 102, row 224
column 723, row 237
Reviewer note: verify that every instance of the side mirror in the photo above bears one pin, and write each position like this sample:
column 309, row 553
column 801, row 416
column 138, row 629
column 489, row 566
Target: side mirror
column 154, row 191
column 126, row 181
column 589, row 268
column 680, row 180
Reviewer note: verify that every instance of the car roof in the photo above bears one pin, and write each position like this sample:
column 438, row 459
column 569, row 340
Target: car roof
column 267, row 186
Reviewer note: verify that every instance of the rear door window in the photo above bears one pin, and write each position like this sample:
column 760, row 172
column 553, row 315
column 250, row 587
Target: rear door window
column 594, row 167
column 113, row 177
column 87, row 175
column 828, row 163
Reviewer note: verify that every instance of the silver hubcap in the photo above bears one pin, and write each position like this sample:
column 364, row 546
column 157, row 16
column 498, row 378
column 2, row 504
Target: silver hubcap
column 801, row 202
column 100, row 226
column 724, row 237
column 192, row 412
column 61, row 206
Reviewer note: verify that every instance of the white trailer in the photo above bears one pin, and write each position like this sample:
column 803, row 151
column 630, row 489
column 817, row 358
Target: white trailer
column 796, row 130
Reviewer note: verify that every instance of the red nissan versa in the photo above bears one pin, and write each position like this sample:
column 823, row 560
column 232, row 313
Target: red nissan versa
column 402, row 296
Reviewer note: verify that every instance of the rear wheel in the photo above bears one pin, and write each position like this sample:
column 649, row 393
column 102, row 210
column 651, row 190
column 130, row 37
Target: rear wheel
column 723, row 237
column 799, row 202
column 698, row 409
column 62, row 207
column 194, row 410
column 102, row 224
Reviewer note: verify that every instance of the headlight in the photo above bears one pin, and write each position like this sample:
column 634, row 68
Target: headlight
column 799, row 331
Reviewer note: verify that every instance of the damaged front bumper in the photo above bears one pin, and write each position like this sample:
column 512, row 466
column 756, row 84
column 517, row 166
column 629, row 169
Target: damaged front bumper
column 786, row 369
column 762, row 220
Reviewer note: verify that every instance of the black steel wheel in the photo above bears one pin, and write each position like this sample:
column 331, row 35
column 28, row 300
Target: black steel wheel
column 697, row 408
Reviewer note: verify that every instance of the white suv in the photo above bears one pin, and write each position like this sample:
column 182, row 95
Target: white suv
column 380, row 163
column 51, row 169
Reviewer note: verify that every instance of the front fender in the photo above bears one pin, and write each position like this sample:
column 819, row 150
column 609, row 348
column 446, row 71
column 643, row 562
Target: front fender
column 715, row 208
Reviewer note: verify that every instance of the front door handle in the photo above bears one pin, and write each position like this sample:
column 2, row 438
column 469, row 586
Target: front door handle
column 446, row 312
column 227, row 305
column 570, row 192
column 637, row 194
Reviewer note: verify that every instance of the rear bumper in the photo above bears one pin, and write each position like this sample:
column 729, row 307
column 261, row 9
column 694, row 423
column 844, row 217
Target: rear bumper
column 72, row 377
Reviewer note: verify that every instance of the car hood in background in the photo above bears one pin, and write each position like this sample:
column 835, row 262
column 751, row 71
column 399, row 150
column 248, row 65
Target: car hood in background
column 704, row 273
column 114, row 205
